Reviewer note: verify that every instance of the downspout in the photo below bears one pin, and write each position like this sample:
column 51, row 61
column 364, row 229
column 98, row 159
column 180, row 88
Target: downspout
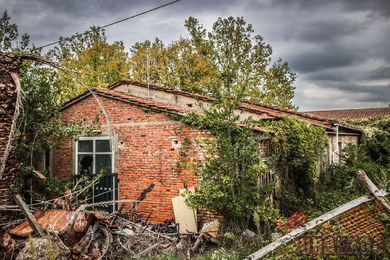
column 337, row 142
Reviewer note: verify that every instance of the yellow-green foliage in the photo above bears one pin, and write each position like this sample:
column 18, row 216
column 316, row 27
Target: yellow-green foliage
column 99, row 62
column 169, row 66
column 32, row 249
column 51, row 250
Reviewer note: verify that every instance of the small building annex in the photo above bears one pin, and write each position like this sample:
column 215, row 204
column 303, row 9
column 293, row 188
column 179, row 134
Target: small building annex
column 146, row 143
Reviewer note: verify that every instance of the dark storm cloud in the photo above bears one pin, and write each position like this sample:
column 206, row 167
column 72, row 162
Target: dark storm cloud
column 382, row 72
column 328, row 76
column 321, row 59
column 325, row 31
column 375, row 93
column 65, row 18
column 381, row 7
column 350, row 87
column 363, row 92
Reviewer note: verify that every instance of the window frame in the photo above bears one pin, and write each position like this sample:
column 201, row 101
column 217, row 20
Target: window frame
column 94, row 153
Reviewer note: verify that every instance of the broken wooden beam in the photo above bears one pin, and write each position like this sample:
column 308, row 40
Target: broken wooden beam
column 27, row 214
column 375, row 191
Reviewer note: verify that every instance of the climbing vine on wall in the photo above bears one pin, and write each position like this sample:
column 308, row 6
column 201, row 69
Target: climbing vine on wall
column 180, row 161
column 297, row 147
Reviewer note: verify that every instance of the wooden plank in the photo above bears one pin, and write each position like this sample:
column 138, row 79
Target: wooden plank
column 379, row 195
column 213, row 229
column 39, row 175
column 310, row 225
column 184, row 216
column 30, row 218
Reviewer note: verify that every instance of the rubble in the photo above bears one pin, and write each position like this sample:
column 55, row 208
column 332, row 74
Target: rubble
column 88, row 234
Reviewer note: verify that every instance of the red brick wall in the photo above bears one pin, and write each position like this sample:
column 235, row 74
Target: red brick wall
column 146, row 156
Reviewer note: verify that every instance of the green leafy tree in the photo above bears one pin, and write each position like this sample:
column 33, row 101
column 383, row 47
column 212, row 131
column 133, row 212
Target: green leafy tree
column 230, row 47
column 199, row 64
column 177, row 66
column 97, row 63
column 376, row 138
column 9, row 33
column 371, row 154
column 39, row 125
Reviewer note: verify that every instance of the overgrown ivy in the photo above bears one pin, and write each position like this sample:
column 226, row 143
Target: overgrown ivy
column 296, row 149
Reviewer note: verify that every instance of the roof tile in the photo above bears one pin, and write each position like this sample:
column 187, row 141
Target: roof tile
column 264, row 110
column 352, row 113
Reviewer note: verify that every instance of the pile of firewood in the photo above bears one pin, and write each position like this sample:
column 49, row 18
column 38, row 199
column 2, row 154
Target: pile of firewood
column 8, row 103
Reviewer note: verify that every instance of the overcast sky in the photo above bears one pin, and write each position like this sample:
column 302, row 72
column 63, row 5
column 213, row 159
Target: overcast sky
column 340, row 50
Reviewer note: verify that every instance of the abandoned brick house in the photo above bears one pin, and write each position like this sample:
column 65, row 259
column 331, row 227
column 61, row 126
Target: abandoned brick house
column 146, row 144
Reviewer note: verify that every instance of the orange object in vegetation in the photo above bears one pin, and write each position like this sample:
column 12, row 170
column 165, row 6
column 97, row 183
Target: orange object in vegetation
column 56, row 218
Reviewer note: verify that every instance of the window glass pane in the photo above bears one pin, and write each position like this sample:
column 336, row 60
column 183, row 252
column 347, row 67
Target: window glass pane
column 103, row 162
column 84, row 163
column 102, row 145
column 86, row 146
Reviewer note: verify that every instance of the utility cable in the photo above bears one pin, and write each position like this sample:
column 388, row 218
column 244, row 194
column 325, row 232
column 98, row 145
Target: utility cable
column 107, row 25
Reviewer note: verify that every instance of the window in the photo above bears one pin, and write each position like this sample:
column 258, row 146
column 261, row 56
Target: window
column 93, row 155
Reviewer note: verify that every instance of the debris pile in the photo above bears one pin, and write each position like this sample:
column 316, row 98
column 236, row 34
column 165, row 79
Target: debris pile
column 76, row 232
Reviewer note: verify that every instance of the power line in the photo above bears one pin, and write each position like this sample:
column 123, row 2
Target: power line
column 128, row 18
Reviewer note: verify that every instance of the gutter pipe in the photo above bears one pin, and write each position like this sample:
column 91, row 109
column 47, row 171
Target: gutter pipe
column 337, row 142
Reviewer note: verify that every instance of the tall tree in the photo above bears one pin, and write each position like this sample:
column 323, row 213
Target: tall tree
column 98, row 62
column 225, row 59
column 177, row 65
column 9, row 33
column 233, row 51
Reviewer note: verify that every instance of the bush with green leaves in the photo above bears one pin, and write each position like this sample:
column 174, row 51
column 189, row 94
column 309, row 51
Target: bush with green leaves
column 372, row 155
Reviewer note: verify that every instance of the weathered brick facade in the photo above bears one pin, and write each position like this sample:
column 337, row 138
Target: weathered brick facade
column 144, row 152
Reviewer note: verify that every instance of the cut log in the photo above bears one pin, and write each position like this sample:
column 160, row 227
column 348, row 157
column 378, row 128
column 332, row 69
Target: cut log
column 6, row 240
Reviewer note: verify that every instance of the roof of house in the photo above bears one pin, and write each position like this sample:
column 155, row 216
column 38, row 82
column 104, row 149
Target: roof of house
column 269, row 109
column 266, row 111
column 144, row 102
column 363, row 113
column 273, row 111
